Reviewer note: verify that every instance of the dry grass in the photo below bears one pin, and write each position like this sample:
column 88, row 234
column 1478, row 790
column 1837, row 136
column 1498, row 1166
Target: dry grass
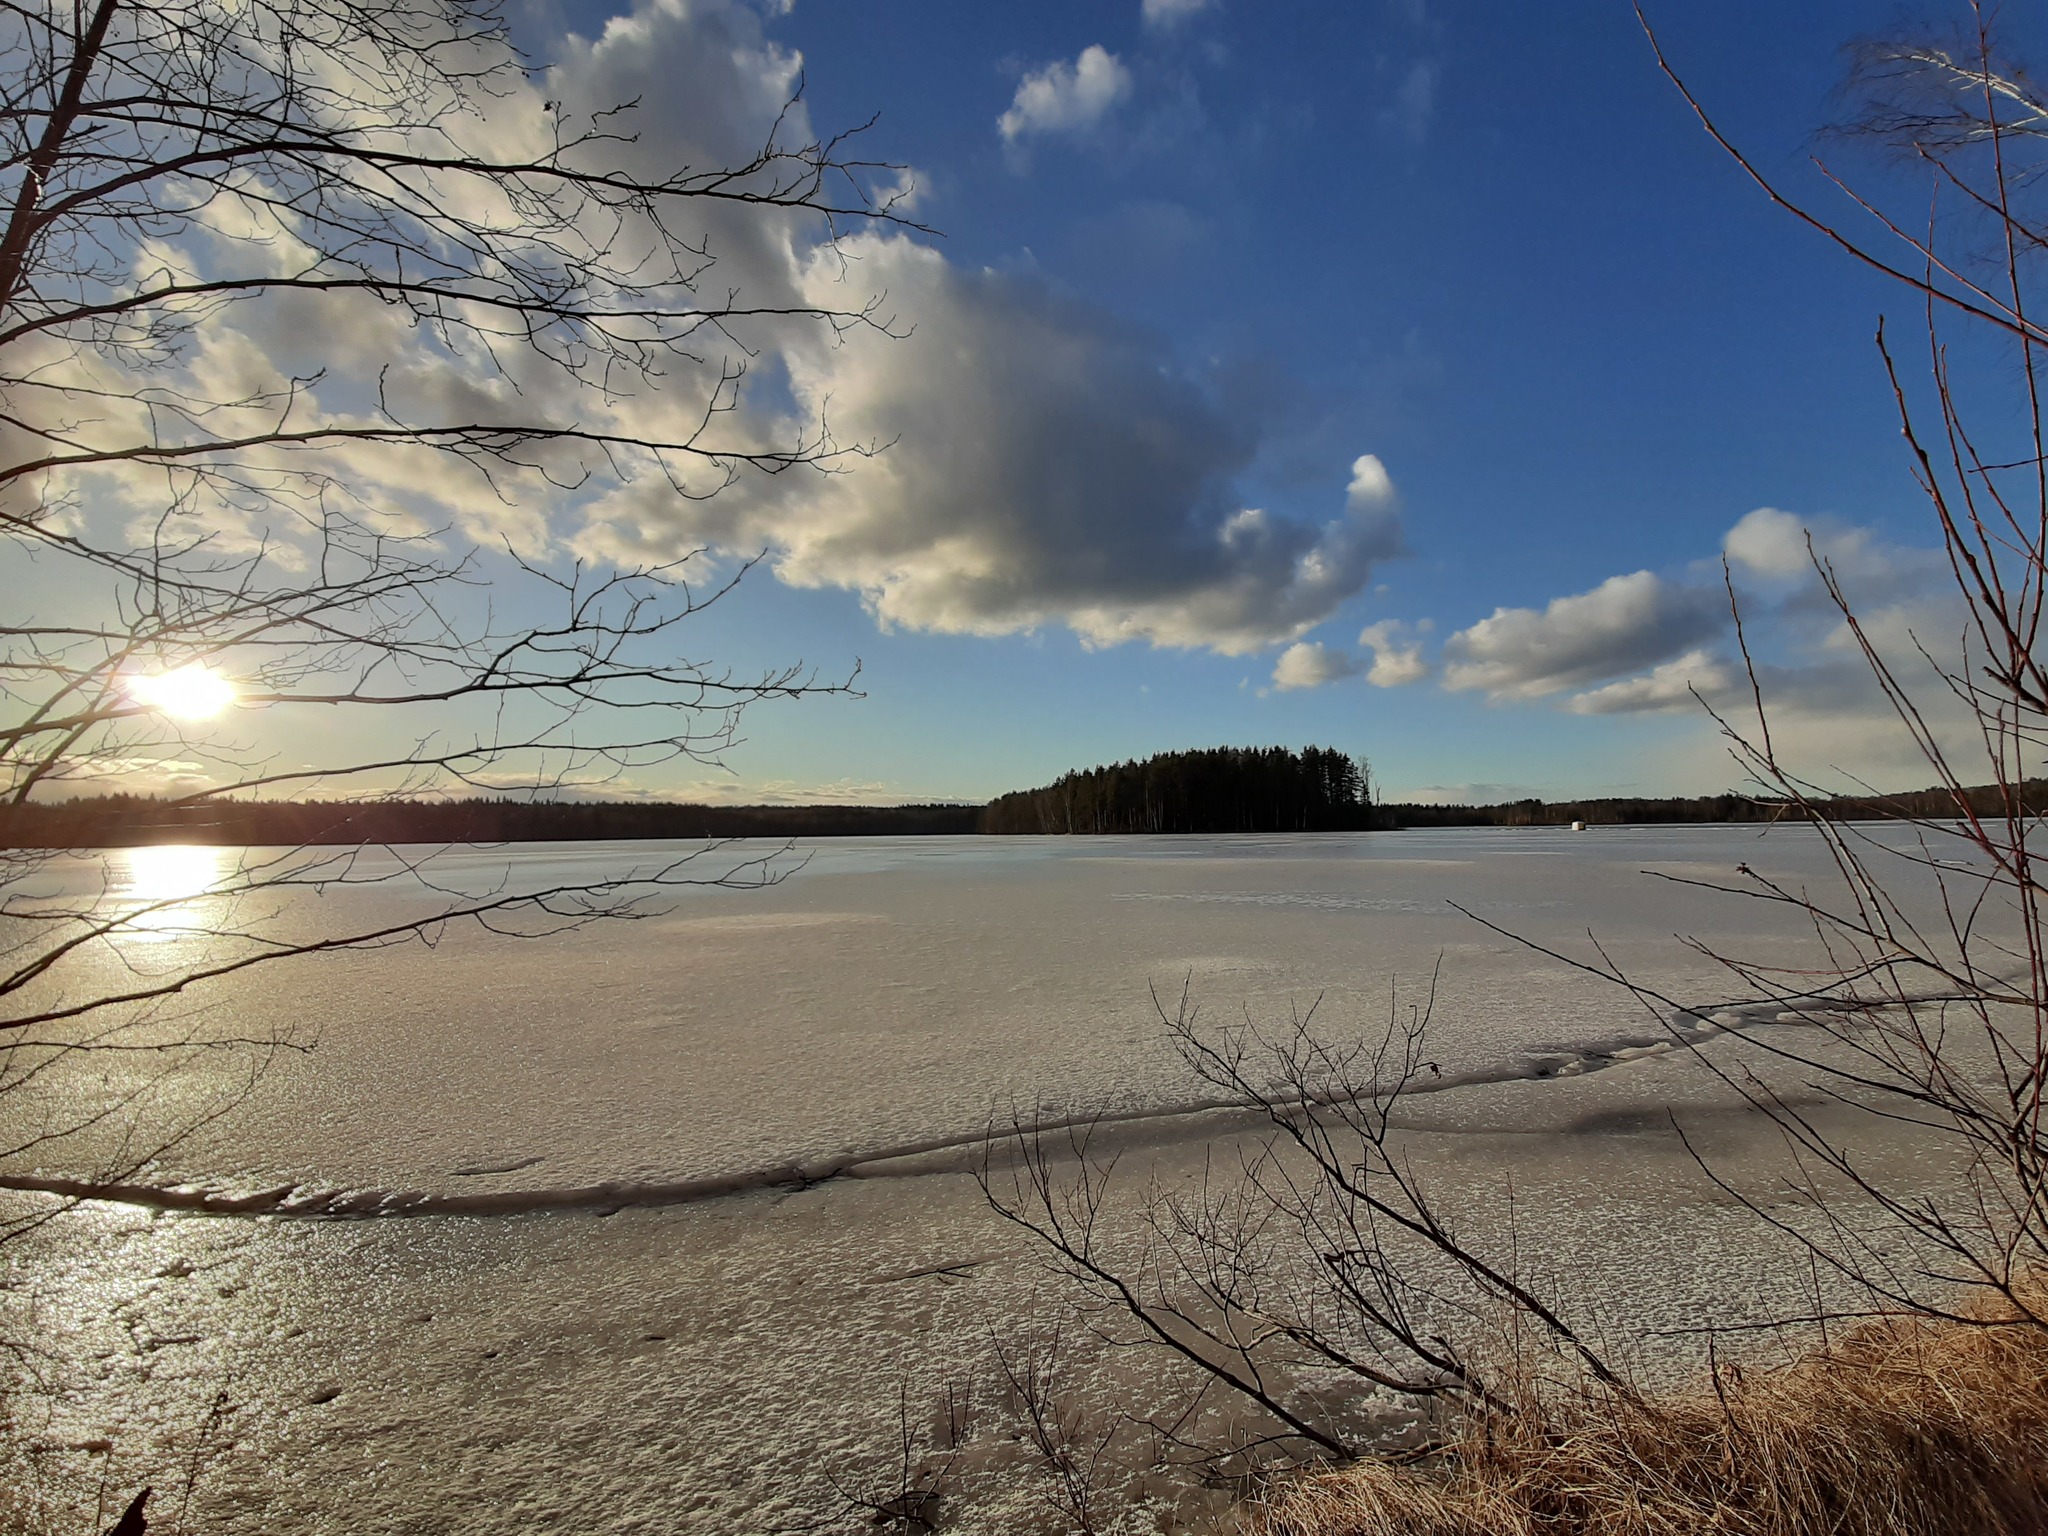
column 1903, row 1426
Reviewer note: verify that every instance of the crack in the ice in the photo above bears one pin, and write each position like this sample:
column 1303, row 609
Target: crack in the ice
column 298, row 1201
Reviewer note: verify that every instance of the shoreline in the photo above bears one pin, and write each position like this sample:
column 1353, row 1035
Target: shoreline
column 81, row 825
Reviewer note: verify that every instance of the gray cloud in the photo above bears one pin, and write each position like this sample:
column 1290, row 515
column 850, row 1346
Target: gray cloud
column 1043, row 462
column 1046, row 464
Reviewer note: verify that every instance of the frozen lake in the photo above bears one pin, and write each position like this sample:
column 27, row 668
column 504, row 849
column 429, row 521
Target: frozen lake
column 566, row 1334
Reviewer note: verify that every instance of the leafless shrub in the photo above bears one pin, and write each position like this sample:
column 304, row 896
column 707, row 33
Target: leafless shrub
column 1070, row 1438
column 908, row 1494
column 1308, row 1273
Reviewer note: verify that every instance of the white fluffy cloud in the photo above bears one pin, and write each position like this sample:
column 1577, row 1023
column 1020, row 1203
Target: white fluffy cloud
column 1643, row 644
column 1621, row 626
column 1771, row 544
column 709, row 88
column 1066, row 98
column 1773, row 547
column 1309, row 664
column 1371, row 487
column 1397, row 658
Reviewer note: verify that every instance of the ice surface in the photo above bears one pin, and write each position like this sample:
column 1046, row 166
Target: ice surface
column 891, row 992
column 703, row 1357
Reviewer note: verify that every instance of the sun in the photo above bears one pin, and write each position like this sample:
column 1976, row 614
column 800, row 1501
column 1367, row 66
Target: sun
column 192, row 692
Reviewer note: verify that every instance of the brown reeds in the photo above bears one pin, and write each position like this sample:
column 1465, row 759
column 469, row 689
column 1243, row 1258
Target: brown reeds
column 1907, row 1426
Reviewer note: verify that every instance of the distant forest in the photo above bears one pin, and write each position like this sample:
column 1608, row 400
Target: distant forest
column 1225, row 789
column 117, row 821
column 1929, row 804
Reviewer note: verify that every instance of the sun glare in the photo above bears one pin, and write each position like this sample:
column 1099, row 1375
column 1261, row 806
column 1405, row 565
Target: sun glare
column 170, row 872
column 193, row 692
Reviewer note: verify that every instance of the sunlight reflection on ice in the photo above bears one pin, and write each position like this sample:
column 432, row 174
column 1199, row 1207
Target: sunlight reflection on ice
column 164, row 884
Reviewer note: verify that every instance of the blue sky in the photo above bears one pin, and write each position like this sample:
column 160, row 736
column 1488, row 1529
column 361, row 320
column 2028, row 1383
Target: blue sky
column 1485, row 244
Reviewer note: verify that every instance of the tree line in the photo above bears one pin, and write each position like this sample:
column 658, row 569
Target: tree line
column 1911, row 805
column 1242, row 789
column 1221, row 789
column 116, row 821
